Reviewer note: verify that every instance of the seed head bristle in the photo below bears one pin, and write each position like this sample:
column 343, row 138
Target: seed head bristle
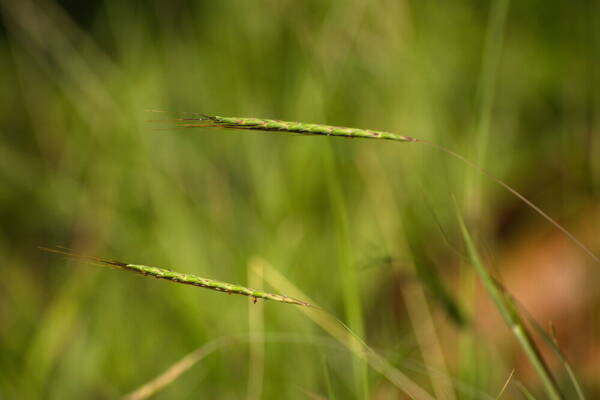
column 82, row 257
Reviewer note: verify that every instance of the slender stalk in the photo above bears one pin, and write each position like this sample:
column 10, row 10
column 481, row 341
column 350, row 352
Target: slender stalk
column 176, row 370
column 491, row 57
column 178, row 277
column 328, row 382
column 511, row 316
column 552, row 342
column 506, row 383
column 474, row 195
column 349, row 278
column 256, row 328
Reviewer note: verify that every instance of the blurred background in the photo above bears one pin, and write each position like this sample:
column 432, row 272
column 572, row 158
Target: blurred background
column 367, row 229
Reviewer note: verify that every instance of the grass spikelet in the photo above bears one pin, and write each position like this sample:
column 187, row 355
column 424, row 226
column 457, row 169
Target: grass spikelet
column 177, row 277
column 195, row 120
column 272, row 125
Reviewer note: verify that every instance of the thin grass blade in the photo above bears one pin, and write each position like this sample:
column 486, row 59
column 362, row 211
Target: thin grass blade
column 552, row 342
column 525, row 392
column 511, row 316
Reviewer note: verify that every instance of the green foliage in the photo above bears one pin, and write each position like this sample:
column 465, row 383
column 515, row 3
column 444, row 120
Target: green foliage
column 81, row 166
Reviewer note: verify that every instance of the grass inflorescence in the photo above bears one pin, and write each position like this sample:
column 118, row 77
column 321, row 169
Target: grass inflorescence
column 80, row 166
column 500, row 296
column 178, row 277
column 272, row 125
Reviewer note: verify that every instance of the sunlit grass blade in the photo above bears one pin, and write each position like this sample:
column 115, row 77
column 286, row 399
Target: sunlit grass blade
column 176, row 370
column 506, row 383
column 178, row 277
column 511, row 316
column 183, row 365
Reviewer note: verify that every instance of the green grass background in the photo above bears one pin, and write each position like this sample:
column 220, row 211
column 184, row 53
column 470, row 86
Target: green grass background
column 81, row 166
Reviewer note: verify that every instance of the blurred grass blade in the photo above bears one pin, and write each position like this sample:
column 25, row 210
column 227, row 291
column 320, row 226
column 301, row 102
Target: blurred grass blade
column 524, row 391
column 505, row 384
column 426, row 270
column 157, row 384
column 490, row 64
column 393, row 226
column 511, row 316
column 348, row 274
column 256, row 328
column 177, row 277
column 552, row 342
column 346, row 337
column 328, row 381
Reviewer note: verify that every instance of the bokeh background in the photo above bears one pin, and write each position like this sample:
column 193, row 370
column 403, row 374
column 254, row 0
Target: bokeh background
column 367, row 229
